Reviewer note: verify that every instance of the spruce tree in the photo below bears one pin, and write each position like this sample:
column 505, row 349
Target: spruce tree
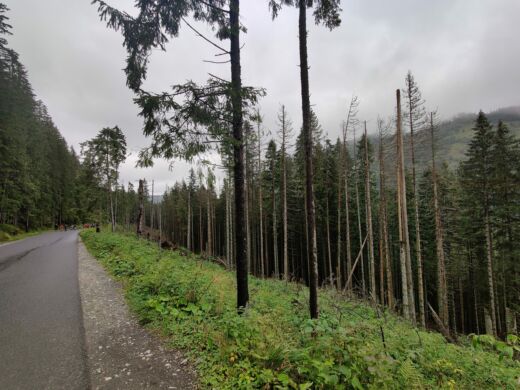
column 476, row 178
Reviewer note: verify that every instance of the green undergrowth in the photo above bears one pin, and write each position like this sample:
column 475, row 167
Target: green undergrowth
column 274, row 344
column 13, row 233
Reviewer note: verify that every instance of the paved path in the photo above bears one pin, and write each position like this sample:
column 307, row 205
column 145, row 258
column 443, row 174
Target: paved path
column 41, row 326
column 54, row 337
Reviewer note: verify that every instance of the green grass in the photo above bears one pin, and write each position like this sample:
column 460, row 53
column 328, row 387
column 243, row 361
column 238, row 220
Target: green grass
column 274, row 344
column 13, row 233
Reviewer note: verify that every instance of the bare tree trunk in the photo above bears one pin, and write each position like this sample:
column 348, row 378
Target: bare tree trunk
column 228, row 233
column 189, row 221
column 418, row 251
column 347, row 210
column 307, row 131
column 489, row 252
column 360, row 231
column 368, row 200
column 214, row 226
column 140, row 215
column 385, row 255
column 209, row 244
column 160, row 225
column 247, row 199
column 338, row 222
column 461, row 304
column 152, row 214
column 238, row 154
column 260, row 199
column 284, row 197
column 401, row 220
column 329, row 254
column 201, row 238
column 275, row 226
column 442, row 288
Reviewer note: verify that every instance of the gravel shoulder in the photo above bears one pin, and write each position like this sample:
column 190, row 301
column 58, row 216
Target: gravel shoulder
column 121, row 353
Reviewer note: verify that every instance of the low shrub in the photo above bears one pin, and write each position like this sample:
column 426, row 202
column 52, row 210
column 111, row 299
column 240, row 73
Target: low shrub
column 274, row 344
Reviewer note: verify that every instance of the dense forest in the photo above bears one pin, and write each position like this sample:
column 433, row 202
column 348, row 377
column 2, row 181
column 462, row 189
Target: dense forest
column 43, row 181
column 39, row 172
column 384, row 212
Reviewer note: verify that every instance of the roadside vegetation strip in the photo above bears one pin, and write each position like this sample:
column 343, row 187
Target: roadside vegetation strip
column 274, row 344
column 9, row 233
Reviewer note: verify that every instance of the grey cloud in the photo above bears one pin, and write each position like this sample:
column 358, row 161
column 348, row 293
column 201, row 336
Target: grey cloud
column 464, row 56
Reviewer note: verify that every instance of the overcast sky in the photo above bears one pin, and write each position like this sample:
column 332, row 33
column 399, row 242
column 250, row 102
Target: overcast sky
column 464, row 55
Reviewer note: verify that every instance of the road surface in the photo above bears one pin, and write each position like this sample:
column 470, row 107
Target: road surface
column 64, row 324
column 42, row 340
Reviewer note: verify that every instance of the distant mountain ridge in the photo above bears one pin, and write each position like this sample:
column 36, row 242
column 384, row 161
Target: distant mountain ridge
column 452, row 138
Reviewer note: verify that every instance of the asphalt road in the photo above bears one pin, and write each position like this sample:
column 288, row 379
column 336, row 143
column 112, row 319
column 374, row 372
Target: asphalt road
column 42, row 340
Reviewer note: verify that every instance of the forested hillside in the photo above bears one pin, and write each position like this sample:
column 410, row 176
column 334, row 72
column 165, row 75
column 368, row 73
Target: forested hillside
column 39, row 173
column 198, row 215
column 43, row 181
column 454, row 135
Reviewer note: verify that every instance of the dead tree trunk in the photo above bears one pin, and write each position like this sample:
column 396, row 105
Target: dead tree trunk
column 284, row 196
column 260, row 199
column 275, row 225
column 368, row 200
column 360, row 231
column 329, row 254
column 401, row 211
column 442, row 288
column 418, row 251
column 491, row 287
column 385, row 255
column 140, row 195
column 347, row 208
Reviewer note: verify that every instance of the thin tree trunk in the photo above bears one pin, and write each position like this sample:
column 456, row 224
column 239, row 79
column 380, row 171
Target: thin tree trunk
column 160, row 225
column 275, row 226
column 360, row 231
column 368, row 200
column 307, row 131
column 347, row 210
column 246, row 204
column 442, row 289
column 418, row 251
column 400, row 213
column 238, row 154
column 489, row 252
column 461, row 304
column 189, row 221
column 209, row 243
column 228, row 244
column 385, row 255
column 338, row 222
column 201, row 238
column 284, row 197
column 152, row 210
column 140, row 215
column 329, row 254
column 260, row 200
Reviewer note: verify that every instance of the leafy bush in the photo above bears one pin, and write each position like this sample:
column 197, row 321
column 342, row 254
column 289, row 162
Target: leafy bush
column 11, row 230
column 274, row 345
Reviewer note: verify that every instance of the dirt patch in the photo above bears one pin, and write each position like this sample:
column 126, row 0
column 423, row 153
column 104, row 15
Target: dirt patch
column 122, row 354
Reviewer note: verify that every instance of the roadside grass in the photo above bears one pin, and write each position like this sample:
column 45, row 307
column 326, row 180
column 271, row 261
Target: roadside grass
column 12, row 233
column 274, row 344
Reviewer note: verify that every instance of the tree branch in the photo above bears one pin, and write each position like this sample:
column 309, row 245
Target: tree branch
column 203, row 37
